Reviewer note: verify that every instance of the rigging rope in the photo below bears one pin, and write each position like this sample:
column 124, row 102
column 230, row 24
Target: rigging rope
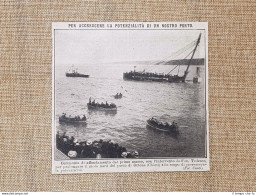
column 172, row 69
column 182, row 50
column 179, row 64
column 154, row 67
column 175, row 54
column 166, row 59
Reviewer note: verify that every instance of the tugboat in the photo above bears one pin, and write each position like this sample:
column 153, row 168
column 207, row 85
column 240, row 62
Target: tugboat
column 92, row 105
column 155, row 77
column 74, row 73
column 155, row 124
column 72, row 120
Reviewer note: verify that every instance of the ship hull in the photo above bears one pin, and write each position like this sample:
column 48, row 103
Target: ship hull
column 169, row 79
column 77, row 75
column 90, row 107
column 156, row 128
column 72, row 121
column 149, row 124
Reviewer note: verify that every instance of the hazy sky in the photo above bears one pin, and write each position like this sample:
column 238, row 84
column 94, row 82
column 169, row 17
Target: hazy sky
column 104, row 46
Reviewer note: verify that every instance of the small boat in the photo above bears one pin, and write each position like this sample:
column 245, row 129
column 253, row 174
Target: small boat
column 74, row 73
column 118, row 96
column 72, row 120
column 102, row 107
column 155, row 124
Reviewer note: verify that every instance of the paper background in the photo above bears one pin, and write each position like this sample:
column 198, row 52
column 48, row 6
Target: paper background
column 25, row 91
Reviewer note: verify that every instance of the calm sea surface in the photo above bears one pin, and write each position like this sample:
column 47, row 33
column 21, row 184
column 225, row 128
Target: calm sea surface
column 180, row 102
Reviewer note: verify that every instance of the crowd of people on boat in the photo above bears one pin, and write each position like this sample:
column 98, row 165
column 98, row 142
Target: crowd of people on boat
column 101, row 105
column 64, row 118
column 147, row 74
column 173, row 127
column 91, row 149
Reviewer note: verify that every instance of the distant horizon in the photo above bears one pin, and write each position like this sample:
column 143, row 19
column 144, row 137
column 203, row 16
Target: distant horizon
column 116, row 46
column 143, row 62
column 155, row 61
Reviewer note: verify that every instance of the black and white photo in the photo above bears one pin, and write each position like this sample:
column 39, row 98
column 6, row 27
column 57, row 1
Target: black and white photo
column 130, row 97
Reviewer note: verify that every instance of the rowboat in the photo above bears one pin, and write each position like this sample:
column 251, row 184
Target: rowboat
column 72, row 120
column 96, row 107
column 118, row 96
column 172, row 128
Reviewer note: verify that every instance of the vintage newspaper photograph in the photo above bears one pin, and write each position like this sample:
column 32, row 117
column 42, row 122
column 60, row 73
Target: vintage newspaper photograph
column 129, row 97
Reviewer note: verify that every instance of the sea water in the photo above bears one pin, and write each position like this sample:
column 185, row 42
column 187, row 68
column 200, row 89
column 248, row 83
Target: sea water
column 183, row 103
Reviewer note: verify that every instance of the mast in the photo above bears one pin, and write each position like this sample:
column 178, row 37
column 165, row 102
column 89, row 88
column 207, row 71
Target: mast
column 186, row 72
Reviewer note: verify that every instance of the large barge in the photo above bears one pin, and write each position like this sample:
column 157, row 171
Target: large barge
column 156, row 77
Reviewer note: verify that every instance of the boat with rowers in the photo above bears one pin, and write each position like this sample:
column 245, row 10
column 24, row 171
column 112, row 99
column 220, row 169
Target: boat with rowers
column 72, row 120
column 118, row 96
column 157, row 77
column 92, row 105
column 160, row 126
